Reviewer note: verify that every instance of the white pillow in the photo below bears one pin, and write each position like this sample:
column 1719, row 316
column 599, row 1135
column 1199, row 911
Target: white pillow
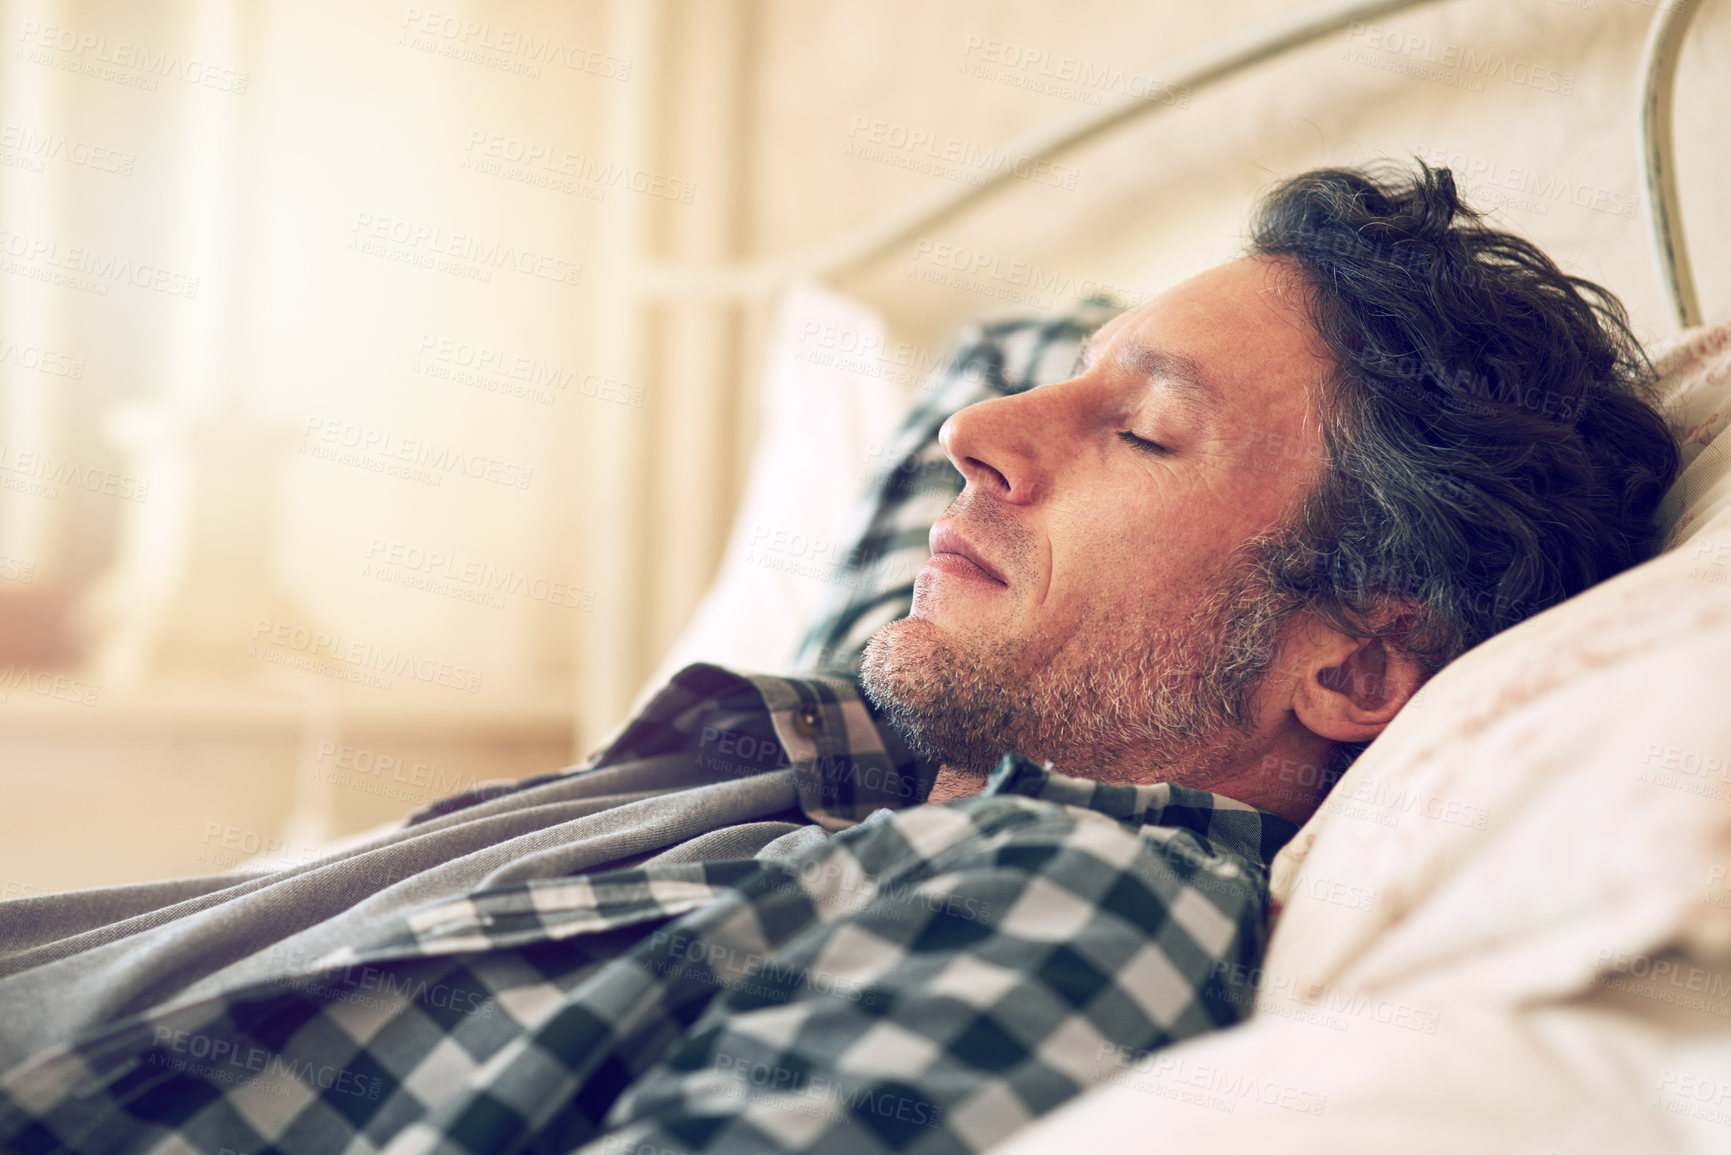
column 830, row 398
column 1509, row 927
column 1695, row 374
column 1695, row 392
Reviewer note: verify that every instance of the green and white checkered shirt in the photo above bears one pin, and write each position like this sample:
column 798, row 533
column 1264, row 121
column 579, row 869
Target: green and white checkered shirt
column 919, row 978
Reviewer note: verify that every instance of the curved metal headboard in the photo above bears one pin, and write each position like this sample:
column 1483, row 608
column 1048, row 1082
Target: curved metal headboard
column 1212, row 63
column 1207, row 65
column 1658, row 172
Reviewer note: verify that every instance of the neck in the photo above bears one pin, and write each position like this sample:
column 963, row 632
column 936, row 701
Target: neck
column 1288, row 778
column 1292, row 787
column 955, row 782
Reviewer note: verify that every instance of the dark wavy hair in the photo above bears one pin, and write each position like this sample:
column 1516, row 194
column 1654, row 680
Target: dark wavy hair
column 1493, row 444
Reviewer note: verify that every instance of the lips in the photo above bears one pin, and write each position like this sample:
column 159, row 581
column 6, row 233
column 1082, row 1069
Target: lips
column 945, row 540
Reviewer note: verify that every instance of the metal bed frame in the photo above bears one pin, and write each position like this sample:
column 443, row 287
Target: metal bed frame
column 641, row 283
column 1199, row 69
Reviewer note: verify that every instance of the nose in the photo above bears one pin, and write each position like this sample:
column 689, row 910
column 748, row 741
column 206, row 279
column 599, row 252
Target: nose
column 1008, row 446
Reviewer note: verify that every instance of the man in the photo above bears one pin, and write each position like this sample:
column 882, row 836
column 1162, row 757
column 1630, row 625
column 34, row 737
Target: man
column 1125, row 587
column 1083, row 589
column 1269, row 504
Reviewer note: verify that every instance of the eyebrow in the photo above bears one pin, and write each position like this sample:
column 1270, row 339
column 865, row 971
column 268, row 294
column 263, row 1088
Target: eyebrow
column 1180, row 372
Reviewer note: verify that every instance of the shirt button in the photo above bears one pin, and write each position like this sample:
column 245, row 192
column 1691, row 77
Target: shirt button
column 808, row 722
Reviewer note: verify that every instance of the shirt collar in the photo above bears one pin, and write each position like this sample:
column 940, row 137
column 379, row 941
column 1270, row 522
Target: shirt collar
column 1224, row 823
column 848, row 762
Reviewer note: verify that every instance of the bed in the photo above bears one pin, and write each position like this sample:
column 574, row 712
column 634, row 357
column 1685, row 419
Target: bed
column 1509, row 927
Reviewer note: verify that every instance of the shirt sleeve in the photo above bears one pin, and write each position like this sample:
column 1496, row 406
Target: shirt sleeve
column 972, row 966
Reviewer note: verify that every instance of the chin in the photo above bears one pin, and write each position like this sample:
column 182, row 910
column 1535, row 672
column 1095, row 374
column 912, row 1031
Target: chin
column 902, row 674
column 892, row 656
column 950, row 705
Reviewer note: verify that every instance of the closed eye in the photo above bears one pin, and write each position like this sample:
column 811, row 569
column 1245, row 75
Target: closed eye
column 1141, row 443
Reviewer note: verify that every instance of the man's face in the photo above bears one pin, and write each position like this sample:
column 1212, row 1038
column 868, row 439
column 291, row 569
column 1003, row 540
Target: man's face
column 1087, row 597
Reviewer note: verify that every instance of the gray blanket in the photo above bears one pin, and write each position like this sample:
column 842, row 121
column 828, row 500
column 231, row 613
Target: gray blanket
column 71, row 961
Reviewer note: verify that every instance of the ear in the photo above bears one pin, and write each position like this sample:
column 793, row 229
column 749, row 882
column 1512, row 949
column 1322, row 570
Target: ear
column 1348, row 689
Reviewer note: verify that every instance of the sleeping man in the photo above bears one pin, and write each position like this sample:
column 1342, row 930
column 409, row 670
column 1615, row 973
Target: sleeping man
column 1178, row 592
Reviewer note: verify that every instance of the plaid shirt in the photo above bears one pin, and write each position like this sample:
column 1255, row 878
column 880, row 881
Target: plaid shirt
column 927, row 978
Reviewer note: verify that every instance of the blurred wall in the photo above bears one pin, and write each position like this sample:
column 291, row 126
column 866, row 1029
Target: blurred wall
column 340, row 465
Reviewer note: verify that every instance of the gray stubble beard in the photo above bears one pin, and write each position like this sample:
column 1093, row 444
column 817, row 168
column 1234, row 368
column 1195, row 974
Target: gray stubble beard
column 1138, row 704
